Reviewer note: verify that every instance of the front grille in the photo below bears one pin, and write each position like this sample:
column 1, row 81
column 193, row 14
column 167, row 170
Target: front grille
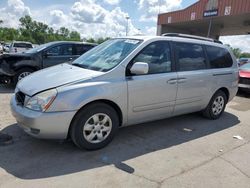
column 20, row 98
column 244, row 81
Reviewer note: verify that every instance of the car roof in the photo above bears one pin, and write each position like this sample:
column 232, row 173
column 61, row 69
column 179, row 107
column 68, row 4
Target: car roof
column 177, row 39
column 22, row 42
column 71, row 42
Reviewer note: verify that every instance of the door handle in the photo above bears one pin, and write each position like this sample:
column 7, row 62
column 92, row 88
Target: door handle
column 172, row 81
column 70, row 58
column 182, row 80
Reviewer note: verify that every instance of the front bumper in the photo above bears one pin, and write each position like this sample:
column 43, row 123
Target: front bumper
column 5, row 79
column 47, row 125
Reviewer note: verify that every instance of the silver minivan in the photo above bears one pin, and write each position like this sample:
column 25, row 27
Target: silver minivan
column 126, row 81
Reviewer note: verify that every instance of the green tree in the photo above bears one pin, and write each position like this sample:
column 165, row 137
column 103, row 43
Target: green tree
column 245, row 55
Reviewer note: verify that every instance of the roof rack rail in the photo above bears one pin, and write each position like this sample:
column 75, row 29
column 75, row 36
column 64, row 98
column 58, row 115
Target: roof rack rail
column 191, row 37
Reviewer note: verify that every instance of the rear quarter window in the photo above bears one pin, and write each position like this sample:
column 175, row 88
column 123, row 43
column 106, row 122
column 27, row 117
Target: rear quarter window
column 219, row 57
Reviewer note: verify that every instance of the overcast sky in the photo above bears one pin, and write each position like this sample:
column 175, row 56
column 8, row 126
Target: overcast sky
column 100, row 18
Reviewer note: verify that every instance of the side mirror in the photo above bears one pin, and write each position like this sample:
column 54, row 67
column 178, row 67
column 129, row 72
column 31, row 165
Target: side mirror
column 139, row 68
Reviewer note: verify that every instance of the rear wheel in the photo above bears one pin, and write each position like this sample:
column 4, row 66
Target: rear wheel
column 22, row 73
column 216, row 105
column 94, row 126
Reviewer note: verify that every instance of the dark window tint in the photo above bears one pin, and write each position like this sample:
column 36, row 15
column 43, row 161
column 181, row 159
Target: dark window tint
column 190, row 57
column 62, row 50
column 82, row 48
column 22, row 45
column 157, row 55
column 219, row 57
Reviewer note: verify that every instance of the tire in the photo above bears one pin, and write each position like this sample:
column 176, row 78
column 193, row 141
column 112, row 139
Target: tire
column 86, row 127
column 216, row 106
column 20, row 72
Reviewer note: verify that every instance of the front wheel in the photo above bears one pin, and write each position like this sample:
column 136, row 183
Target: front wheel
column 22, row 73
column 94, row 126
column 216, row 105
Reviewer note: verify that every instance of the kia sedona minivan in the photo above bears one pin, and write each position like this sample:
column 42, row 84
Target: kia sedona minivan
column 126, row 81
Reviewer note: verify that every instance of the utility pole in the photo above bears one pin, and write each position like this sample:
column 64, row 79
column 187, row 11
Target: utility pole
column 127, row 18
column 159, row 6
column 209, row 28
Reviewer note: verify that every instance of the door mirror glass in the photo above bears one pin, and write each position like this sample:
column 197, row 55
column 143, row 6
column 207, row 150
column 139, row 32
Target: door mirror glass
column 139, row 68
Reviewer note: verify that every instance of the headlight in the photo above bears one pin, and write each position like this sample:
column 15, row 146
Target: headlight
column 42, row 101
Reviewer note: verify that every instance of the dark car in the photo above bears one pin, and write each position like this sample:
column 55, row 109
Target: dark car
column 244, row 82
column 14, row 67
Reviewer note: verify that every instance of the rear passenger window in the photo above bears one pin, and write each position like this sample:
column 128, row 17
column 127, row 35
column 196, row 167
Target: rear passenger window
column 157, row 55
column 22, row 45
column 82, row 48
column 219, row 57
column 190, row 57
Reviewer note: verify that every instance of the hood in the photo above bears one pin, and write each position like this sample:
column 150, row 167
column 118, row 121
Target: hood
column 54, row 77
column 15, row 55
column 12, row 58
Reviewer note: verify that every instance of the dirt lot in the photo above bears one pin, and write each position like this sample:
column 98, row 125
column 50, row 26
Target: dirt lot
column 186, row 151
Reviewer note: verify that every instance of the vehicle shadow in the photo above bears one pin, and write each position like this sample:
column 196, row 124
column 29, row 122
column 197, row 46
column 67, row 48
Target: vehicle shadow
column 6, row 88
column 30, row 158
column 242, row 93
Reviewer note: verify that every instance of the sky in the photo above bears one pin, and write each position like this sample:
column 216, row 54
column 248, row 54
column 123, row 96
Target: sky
column 101, row 18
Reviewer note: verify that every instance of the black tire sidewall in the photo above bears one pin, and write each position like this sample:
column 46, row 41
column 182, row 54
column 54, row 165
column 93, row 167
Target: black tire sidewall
column 80, row 119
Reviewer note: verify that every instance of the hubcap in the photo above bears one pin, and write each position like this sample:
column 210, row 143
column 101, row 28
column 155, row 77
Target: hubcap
column 22, row 75
column 218, row 105
column 97, row 128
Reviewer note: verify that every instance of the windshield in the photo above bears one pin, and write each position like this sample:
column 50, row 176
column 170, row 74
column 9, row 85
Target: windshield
column 245, row 66
column 38, row 49
column 107, row 55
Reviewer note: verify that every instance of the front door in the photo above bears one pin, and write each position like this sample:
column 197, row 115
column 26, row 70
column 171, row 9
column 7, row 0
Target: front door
column 152, row 96
column 57, row 55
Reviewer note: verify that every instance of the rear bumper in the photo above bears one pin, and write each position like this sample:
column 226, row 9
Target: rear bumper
column 51, row 125
column 245, row 86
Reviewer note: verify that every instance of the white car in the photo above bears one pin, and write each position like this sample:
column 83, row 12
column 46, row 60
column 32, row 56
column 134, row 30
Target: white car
column 19, row 47
column 1, row 49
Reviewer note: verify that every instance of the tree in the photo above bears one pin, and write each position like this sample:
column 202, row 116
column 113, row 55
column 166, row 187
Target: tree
column 245, row 55
column 39, row 33
column 237, row 52
column 74, row 36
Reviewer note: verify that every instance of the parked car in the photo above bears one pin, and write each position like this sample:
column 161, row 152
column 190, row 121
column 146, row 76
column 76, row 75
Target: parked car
column 243, row 61
column 19, row 47
column 244, row 82
column 14, row 67
column 6, row 47
column 1, row 49
column 126, row 81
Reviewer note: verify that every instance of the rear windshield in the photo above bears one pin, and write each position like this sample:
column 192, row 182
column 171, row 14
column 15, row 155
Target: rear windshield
column 22, row 45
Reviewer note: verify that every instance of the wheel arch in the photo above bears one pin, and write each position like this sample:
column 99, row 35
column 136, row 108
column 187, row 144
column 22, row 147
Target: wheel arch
column 105, row 101
column 225, row 90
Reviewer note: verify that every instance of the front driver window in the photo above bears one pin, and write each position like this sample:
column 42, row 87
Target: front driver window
column 157, row 55
column 62, row 50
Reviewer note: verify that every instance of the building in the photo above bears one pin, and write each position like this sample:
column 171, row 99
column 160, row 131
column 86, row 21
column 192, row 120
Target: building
column 210, row 18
